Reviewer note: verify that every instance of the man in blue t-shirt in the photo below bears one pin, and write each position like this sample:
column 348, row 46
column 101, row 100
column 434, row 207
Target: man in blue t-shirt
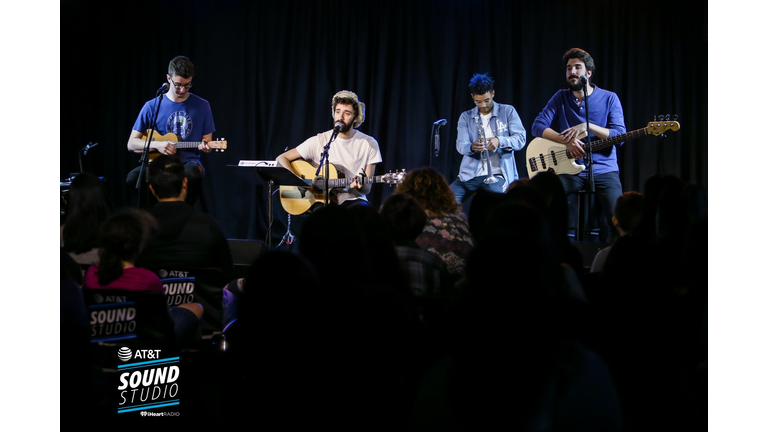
column 606, row 119
column 183, row 126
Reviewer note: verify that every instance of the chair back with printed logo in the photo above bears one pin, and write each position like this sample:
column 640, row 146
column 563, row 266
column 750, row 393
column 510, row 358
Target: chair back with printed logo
column 124, row 318
column 200, row 285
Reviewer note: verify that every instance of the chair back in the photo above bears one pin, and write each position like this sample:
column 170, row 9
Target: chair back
column 124, row 318
column 199, row 285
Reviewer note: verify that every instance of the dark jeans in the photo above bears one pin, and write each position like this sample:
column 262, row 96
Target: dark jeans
column 193, row 170
column 607, row 191
column 464, row 190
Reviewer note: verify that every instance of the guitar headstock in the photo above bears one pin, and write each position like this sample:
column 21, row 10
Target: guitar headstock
column 219, row 145
column 661, row 124
column 393, row 177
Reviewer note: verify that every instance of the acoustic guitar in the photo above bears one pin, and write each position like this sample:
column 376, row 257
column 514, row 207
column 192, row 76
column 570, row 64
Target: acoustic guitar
column 298, row 200
column 218, row 146
column 545, row 155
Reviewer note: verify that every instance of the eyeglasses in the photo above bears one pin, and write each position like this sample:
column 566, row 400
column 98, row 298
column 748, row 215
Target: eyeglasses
column 186, row 86
column 486, row 101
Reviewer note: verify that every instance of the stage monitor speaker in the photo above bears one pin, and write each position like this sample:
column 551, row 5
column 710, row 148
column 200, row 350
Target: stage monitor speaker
column 244, row 252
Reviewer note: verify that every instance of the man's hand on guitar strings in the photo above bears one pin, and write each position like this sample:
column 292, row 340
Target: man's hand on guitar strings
column 575, row 147
column 166, row 147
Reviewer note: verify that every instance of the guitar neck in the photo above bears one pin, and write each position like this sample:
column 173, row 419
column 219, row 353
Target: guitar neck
column 608, row 142
column 186, row 144
column 344, row 182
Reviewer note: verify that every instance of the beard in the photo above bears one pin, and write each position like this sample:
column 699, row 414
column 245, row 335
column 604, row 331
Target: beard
column 577, row 86
column 347, row 126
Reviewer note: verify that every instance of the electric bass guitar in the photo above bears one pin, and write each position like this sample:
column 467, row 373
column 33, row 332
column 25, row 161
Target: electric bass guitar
column 218, row 146
column 298, row 200
column 545, row 155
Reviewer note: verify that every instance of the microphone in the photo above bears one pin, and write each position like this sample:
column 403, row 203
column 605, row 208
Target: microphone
column 163, row 89
column 583, row 80
column 440, row 122
column 336, row 129
column 88, row 147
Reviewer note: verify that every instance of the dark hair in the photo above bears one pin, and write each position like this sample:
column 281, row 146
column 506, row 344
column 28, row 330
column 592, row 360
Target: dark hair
column 87, row 207
column 629, row 210
column 122, row 238
column 181, row 66
column 404, row 217
column 582, row 55
column 347, row 101
column 166, row 175
column 480, row 84
column 430, row 189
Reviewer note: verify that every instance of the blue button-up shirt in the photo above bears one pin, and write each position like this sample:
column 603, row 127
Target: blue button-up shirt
column 506, row 126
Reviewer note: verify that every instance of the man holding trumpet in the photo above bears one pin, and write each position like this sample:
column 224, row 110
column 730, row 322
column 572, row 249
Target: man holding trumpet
column 488, row 135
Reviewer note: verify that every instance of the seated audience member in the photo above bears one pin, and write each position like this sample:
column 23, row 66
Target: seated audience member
column 627, row 213
column 555, row 202
column 405, row 220
column 447, row 231
column 83, row 381
column 644, row 276
column 361, row 275
column 186, row 239
column 87, row 208
column 122, row 238
column 544, row 378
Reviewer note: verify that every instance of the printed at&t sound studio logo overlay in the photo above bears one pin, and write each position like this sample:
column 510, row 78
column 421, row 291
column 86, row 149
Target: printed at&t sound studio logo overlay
column 148, row 383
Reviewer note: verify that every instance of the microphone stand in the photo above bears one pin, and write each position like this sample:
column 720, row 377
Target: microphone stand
column 145, row 153
column 82, row 152
column 436, row 128
column 324, row 160
column 590, row 189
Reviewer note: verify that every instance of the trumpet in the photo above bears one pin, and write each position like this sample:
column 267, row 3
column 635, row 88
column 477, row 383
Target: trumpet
column 484, row 159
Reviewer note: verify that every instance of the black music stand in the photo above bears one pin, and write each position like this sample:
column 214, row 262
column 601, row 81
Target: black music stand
column 277, row 176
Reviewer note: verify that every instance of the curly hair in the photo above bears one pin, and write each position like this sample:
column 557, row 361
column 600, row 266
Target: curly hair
column 431, row 190
column 346, row 97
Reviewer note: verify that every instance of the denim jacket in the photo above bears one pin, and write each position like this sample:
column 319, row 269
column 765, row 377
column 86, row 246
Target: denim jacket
column 506, row 126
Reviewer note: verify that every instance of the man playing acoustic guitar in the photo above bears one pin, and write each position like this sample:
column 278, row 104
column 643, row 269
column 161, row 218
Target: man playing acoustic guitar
column 181, row 113
column 352, row 152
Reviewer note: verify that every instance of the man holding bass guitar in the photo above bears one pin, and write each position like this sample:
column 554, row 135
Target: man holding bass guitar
column 606, row 119
column 352, row 154
column 181, row 114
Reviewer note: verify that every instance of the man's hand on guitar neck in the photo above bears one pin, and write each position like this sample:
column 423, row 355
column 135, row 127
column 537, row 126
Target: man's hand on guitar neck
column 357, row 183
column 203, row 146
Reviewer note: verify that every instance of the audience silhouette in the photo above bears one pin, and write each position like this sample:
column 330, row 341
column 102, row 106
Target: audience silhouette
column 447, row 232
column 87, row 208
column 515, row 361
column 122, row 237
column 334, row 332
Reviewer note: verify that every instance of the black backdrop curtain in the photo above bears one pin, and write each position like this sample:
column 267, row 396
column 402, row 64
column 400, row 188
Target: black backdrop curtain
column 269, row 70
